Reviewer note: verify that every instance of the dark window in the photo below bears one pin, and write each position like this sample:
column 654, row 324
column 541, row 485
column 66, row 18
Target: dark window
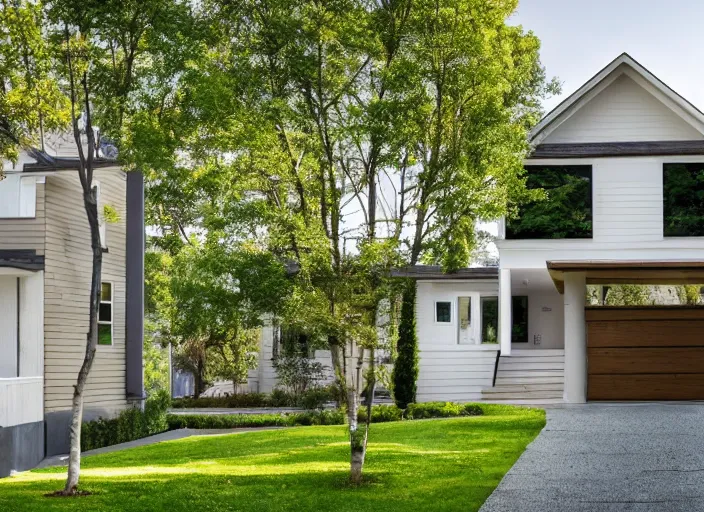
column 566, row 210
column 683, row 199
column 519, row 315
column 490, row 319
column 443, row 312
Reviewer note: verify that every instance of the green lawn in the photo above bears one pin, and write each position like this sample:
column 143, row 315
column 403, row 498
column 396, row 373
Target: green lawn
column 412, row 466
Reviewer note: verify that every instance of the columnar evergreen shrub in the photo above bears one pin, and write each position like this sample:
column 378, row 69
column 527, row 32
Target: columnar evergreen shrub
column 405, row 372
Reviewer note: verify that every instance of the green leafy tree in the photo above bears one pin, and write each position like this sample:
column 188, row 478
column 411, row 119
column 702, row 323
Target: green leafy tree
column 628, row 295
column 108, row 57
column 479, row 84
column 345, row 138
column 31, row 101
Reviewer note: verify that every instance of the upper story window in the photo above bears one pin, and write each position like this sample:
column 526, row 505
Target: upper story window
column 566, row 212
column 683, row 199
column 18, row 196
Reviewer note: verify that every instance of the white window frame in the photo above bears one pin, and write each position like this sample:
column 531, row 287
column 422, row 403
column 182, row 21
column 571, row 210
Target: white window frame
column 25, row 194
column 102, row 225
column 435, row 311
column 111, row 323
column 481, row 318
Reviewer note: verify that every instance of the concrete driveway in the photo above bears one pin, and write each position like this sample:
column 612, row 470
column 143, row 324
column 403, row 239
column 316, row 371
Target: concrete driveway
column 600, row 457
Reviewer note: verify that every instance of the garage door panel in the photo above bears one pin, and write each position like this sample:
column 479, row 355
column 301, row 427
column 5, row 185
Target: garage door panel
column 646, row 333
column 638, row 353
column 645, row 360
column 646, row 387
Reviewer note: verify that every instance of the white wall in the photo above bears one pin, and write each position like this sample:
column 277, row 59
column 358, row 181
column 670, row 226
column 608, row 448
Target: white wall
column 545, row 321
column 622, row 112
column 432, row 334
column 8, row 326
column 21, row 401
column 449, row 370
column 627, row 217
column 32, row 325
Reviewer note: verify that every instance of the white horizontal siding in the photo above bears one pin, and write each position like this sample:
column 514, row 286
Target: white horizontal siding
column 623, row 112
column 67, row 288
column 21, row 401
column 627, row 199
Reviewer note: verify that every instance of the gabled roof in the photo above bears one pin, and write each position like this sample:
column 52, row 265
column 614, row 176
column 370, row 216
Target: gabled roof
column 623, row 64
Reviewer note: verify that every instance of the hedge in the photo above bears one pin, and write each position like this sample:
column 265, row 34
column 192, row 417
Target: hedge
column 130, row 425
column 312, row 399
column 380, row 414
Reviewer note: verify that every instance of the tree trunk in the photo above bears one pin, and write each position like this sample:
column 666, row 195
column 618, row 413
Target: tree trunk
column 74, row 461
column 359, row 434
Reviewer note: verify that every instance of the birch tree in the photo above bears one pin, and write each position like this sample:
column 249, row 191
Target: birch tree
column 106, row 54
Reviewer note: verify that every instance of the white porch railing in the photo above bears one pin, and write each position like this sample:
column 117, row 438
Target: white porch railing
column 21, row 400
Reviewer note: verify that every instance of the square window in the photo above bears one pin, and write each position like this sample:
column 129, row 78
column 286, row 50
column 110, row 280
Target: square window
column 443, row 312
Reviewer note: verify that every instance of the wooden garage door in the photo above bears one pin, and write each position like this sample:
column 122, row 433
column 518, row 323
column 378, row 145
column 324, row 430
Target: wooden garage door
column 647, row 353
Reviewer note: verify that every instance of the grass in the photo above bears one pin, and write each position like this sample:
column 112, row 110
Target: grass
column 443, row 464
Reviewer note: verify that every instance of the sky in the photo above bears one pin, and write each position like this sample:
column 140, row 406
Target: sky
column 579, row 37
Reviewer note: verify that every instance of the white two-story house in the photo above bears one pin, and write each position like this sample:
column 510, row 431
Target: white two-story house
column 622, row 160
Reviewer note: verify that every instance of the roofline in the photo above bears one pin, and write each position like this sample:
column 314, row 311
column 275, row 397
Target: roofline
column 598, row 78
column 435, row 273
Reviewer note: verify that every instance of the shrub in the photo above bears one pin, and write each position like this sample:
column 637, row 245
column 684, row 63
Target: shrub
column 298, row 373
column 282, row 398
column 129, row 425
column 381, row 414
column 316, row 398
column 441, row 410
column 254, row 420
column 230, row 401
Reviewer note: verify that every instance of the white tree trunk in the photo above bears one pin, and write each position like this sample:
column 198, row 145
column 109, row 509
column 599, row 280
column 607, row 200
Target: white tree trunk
column 74, row 461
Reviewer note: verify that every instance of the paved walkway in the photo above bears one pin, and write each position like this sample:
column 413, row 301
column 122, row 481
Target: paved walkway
column 620, row 457
column 61, row 460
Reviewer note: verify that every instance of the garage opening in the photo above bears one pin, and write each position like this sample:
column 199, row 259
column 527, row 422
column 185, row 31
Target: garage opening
column 645, row 353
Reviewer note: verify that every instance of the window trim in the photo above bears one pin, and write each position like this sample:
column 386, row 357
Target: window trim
column 102, row 225
column 665, row 164
column 435, row 313
column 508, row 233
column 482, row 299
column 111, row 323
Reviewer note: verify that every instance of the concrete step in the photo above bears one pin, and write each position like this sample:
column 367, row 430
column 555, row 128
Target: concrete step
column 524, row 395
column 522, row 365
column 503, row 380
column 518, row 388
column 536, row 351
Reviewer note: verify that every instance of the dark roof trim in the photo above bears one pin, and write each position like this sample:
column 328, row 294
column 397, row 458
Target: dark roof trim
column 584, row 265
column 604, row 149
column 432, row 272
column 46, row 162
column 21, row 259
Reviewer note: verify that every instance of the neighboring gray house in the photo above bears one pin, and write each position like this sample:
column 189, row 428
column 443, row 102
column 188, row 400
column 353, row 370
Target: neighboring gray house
column 45, row 273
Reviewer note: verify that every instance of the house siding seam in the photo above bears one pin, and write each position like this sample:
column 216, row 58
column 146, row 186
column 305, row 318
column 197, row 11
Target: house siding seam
column 68, row 266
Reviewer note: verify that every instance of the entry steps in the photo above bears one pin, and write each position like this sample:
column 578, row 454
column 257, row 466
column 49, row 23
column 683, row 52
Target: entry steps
column 529, row 374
